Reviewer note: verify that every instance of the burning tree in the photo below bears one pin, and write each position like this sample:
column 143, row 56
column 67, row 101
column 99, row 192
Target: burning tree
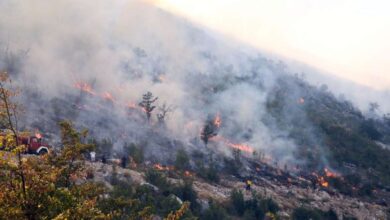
column 208, row 131
column 147, row 104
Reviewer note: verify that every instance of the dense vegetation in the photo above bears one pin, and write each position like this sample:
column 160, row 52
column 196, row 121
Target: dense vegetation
column 330, row 131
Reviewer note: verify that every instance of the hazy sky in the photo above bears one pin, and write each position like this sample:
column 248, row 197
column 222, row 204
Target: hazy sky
column 348, row 38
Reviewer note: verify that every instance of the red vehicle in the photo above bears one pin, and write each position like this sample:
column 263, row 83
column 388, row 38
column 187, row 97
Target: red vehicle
column 34, row 144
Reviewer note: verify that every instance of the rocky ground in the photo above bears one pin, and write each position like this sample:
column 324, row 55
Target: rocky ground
column 288, row 197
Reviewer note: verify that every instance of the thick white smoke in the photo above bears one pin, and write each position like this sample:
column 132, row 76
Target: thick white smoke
column 125, row 48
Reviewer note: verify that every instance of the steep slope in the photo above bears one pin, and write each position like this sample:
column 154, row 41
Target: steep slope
column 93, row 68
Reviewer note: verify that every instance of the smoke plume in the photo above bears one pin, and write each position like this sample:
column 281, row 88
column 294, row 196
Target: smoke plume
column 91, row 61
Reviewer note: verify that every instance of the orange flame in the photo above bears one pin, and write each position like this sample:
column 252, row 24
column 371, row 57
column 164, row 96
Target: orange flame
column 108, row 96
column 158, row 166
column 328, row 173
column 132, row 105
column 323, row 182
column 85, row 87
column 241, row 147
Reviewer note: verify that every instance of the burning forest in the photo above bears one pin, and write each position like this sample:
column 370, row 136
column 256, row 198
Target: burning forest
column 167, row 119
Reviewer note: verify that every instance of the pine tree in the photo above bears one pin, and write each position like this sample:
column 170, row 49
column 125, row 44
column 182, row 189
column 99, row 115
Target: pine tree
column 209, row 130
column 147, row 104
column 71, row 159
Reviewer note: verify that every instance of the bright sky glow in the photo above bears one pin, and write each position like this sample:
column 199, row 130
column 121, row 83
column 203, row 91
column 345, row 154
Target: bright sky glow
column 348, row 38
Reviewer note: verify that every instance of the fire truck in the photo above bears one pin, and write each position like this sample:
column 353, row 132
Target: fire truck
column 34, row 144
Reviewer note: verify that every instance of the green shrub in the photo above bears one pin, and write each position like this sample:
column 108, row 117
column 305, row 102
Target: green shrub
column 122, row 188
column 212, row 174
column 182, row 161
column 167, row 205
column 186, row 192
column 255, row 208
column 157, row 178
column 330, row 215
column 305, row 214
column 209, row 173
column 237, row 201
column 302, row 213
column 137, row 153
column 215, row 212
column 269, row 205
column 251, row 214
column 103, row 147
